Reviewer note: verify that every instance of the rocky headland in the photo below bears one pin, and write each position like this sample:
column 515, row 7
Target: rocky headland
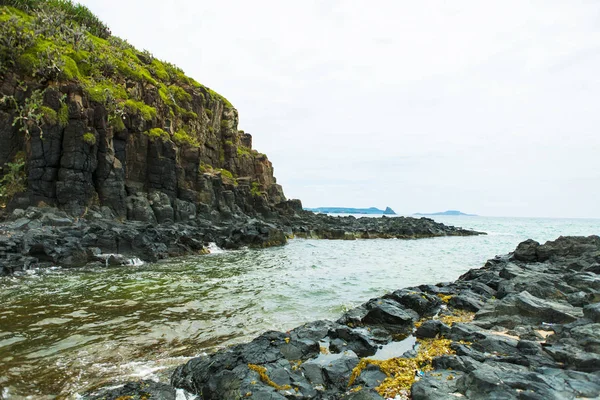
column 524, row 326
column 105, row 149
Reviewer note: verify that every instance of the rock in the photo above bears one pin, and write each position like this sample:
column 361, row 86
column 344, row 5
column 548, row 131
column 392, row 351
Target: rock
column 388, row 315
column 440, row 385
column 430, row 329
column 592, row 311
column 521, row 308
column 467, row 300
column 526, row 251
column 144, row 389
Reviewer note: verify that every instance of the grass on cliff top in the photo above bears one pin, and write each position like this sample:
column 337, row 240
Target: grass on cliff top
column 58, row 40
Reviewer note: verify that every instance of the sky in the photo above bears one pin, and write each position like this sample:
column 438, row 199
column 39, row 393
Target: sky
column 488, row 107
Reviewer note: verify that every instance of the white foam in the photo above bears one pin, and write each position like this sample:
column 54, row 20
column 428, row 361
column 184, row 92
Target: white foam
column 214, row 249
column 181, row 394
column 134, row 262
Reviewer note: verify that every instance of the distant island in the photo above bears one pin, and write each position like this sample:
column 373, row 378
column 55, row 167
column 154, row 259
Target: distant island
column 346, row 210
column 449, row 212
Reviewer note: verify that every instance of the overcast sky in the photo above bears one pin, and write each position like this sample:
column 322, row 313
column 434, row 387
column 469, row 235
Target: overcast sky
column 485, row 107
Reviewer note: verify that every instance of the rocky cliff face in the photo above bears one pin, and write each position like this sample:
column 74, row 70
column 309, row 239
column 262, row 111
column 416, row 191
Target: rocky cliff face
column 88, row 121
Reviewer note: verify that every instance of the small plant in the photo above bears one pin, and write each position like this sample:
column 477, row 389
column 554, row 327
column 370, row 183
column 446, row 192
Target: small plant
column 29, row 115
column 225, row 173
column 148, row 113
column 50, row 116
column 255, row 189
column 89, row 138
column 73, row 11
column 204, row 168
column 14, row 39
column 181, row 137
column 157, row 133
column 227, row 176
column 180, row 94
column 104, row 91
column 14, row 180
column 243, row 151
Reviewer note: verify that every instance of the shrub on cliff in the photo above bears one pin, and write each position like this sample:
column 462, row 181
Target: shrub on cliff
column 76, row 12
column 14, row 179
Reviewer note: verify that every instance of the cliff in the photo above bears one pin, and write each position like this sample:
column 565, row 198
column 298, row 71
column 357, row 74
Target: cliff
column 88, row 121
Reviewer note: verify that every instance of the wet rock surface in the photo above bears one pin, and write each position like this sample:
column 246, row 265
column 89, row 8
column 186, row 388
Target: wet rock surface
column 45, row 237
column 512, row 345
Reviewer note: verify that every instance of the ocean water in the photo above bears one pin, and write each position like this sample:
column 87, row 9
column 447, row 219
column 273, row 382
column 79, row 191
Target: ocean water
column 63, row 331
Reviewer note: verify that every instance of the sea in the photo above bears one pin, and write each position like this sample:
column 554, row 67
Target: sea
column 64, row 331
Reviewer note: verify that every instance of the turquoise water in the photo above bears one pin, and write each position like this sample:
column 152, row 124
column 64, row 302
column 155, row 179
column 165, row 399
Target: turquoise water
column 62, row 331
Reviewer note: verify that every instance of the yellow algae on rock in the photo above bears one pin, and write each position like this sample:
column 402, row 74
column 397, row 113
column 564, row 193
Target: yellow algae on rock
column 401, row 371
column 262, row 372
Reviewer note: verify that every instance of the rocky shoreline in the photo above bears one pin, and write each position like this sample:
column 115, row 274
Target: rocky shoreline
column 524, row 326
column 45, row 237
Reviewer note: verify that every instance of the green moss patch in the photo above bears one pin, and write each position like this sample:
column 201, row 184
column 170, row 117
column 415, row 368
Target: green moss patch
column 181, row 137
column 138, row 107
column 63, row 115
column 157, row 133
column 50, row 116
column 89, row 138
column 105, row 90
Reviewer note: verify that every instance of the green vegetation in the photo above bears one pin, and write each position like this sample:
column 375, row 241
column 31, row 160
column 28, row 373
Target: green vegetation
column 255, row 189
column 29, row 114
column 138, row 107
column 116, row 123
column 225, row 173
column 55, row 41
column 181, row 137
column 49, row 115
column 243, row 151
column 75, row 12
column 179, row 94
column 89, row 138
column 63, row 115
column 157, row 133
column 228, row 143
column 204, row 168
column 13, row 180
column 225, row 124
column 104, row 90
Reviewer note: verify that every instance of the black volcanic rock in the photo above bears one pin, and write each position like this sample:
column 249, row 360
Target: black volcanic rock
column 499, row 354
